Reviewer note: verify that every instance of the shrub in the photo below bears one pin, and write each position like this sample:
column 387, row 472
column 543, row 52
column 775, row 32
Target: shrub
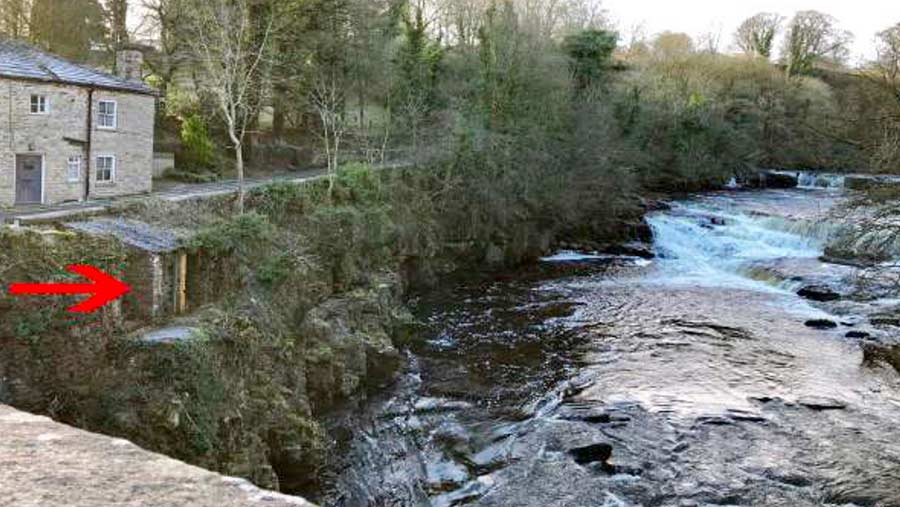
column 198, row 149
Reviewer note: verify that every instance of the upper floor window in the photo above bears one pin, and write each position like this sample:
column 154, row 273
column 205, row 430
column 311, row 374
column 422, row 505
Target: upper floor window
column 106, row 168
column 74, row 168
column 39, row 104
column 107, row 117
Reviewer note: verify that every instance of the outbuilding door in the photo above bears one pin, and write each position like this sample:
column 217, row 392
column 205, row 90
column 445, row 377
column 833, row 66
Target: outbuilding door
column 29, row 179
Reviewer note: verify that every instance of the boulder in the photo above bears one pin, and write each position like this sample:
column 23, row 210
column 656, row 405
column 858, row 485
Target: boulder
column 818, row 293
column 863, row 182
column 821, row 324
column 775, row 179
column 820, row 403
column 885, row 320
column 594, row 453
column 859, row 182
column 633, row 249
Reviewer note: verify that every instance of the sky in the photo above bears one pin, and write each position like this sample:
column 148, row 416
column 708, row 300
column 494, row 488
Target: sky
column 862, row 17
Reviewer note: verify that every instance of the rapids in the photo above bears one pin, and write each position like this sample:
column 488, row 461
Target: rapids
column 695, row 379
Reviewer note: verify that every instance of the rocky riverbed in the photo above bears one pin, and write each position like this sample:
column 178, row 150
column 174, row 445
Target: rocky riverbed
column 737, row 367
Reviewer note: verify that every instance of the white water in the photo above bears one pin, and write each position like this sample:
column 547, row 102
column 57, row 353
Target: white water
column 700, row 245
column 820, row 180
column 573, row 256
column 816, row 180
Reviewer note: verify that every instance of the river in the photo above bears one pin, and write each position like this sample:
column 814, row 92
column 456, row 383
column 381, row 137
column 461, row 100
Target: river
column 698, row 378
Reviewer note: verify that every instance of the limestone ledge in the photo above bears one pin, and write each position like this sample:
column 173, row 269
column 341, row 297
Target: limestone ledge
column 45, row 464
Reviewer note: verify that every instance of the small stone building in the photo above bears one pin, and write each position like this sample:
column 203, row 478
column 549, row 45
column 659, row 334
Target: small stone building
column 70, row 132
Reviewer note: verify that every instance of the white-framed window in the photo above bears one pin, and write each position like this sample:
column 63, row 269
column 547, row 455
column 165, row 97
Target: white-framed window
column 106, row 117
column 106, row 168
column 73, row 169
column 39, row 104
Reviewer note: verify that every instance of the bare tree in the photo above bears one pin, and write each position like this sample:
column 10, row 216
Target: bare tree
column 811, row 37
column 672, row 45
column 756, row 35
column 710, row 41
column 116, row 12
column 327, row 98
column 459, row 21
column 584, row 15
column 886, row 74
column 14, row 18
column 230, row 44
column 635, row 39
column 887, row 65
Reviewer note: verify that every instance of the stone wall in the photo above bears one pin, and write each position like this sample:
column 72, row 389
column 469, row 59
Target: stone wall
column 61, row 132
column 47, row 464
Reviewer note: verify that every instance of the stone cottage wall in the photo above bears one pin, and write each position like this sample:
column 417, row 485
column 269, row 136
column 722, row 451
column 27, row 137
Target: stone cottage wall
column 56, row 137
column 131, row 142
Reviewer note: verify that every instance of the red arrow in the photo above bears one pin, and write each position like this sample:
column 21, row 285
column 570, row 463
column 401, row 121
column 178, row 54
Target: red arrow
column 105, row 288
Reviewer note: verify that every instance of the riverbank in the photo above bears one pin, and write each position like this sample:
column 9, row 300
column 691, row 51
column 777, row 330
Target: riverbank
column 301, row 305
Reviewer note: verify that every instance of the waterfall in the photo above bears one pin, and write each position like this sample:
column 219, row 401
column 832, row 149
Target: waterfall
column 716, row 246
column 819, row 180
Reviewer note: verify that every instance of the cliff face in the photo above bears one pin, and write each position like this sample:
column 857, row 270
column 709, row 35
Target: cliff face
column 302, row 307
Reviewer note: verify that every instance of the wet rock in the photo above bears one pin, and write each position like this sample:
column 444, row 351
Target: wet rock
column 472, row 491
column 885, row 320
column 820, row 403
column 745, row 416
column 490, row 458
column 641, row 250
column 451, row 434
column 445, row 475
column 679, row 448
column 857, row 335
column 433, row 405
column 774, row 179
column 594, row 453
column 867, row 182
column 821, row 324
column 655, row 205
column 874, row 353
column 576, row 387
column 715, row 420
column 591, row 414
column 600, row 418
column 789, row 478
column 818, row 293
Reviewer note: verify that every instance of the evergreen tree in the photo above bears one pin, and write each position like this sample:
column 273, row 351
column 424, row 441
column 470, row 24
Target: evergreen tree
column 70, row 28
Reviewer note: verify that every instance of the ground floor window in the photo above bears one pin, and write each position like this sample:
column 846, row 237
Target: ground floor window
column 74, row 168
column 106, row 168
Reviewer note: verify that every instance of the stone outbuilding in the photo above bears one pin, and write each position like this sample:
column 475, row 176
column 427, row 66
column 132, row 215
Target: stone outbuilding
column 70, row 132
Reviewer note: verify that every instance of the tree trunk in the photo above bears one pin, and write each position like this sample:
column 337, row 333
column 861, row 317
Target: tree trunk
column 239, row 165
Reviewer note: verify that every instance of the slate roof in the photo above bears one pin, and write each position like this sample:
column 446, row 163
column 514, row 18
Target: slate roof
column 22, row 61
column 134, row 233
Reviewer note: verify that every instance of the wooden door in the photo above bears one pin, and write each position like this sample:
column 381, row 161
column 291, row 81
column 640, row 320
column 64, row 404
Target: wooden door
column 29, row 179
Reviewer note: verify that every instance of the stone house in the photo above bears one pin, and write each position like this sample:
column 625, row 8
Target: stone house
column 70, row 132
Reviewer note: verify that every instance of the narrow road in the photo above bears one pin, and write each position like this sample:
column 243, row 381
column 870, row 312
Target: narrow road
column 169, row 192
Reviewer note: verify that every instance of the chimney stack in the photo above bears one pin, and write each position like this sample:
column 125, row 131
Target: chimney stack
column 129, row 64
